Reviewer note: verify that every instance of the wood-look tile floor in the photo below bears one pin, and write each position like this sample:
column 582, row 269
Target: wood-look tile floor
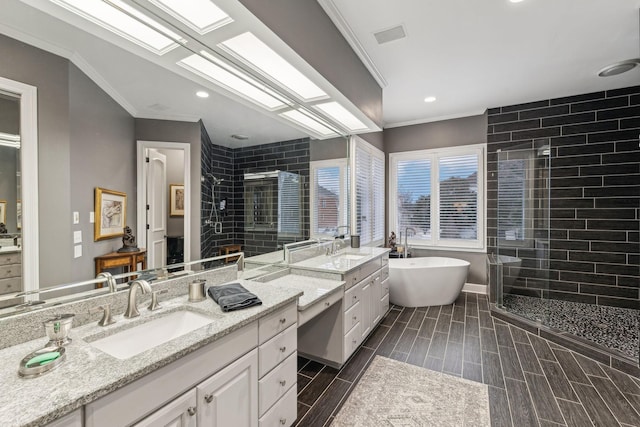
column 532, row 382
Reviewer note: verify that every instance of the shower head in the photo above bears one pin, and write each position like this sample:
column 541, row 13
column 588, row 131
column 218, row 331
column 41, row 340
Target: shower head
column 216, row 181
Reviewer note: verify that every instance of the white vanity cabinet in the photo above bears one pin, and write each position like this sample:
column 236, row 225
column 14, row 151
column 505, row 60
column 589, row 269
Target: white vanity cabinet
column 217, row 385
column 73, row 419
column 334, row 335
column 10, row 275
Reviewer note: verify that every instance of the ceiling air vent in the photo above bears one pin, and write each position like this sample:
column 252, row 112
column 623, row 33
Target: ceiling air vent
column 391, row 34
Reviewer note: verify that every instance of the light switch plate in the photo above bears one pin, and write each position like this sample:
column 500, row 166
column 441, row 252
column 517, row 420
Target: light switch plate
column 92, row 217
column 77, row 251
column 76, row 217
column 77, row 236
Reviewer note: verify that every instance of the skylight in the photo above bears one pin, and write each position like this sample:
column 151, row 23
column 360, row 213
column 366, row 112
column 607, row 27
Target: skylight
column 126, row 22
column 201, row 15
column 341, row 115
column 214, row 70
column 305, row 120
column 251, row 49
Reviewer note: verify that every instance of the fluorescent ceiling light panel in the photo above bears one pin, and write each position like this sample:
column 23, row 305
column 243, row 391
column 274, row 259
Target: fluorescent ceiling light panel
column 214, row 70
column 305, row 120
column 252, row 50
column 341, row 115
column 201, row 15
column 9, row 140
column 126, row 22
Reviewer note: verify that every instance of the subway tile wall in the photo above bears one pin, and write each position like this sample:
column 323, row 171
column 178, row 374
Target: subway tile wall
column 594, row 194
column 231, row 164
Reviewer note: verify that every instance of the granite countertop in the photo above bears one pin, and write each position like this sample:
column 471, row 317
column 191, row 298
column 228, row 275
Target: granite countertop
column 89, row 373
column 338, row 263
column 268, row 258
column 314, row 288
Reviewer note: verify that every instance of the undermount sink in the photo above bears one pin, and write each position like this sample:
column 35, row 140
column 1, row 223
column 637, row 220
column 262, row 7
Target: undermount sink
column 135, row 340
column 352, row 257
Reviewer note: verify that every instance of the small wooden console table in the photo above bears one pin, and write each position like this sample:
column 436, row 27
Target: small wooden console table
column 230, row 249
column 121, row 259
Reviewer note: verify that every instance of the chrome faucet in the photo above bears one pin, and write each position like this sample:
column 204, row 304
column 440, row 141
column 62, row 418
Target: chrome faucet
column 132, row 308
column 406, row 239
column 346, row 227
column 111, row 282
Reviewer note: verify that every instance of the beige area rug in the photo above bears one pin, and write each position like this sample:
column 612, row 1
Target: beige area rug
column 392, row 393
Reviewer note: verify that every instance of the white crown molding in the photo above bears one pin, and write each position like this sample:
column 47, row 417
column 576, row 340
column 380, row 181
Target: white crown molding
column 434, row 119
column 74, row 58
column 340, row 22
column 162, row 116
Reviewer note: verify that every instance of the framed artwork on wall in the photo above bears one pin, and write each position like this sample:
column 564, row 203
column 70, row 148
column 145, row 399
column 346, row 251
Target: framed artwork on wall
column 110, row 214
column 19, row 214
column 176, row 199
column 3, row 211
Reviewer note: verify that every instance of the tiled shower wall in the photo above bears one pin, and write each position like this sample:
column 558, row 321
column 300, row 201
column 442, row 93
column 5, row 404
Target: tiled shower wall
column 290, row 156
column 231, row 164
column 594, row 194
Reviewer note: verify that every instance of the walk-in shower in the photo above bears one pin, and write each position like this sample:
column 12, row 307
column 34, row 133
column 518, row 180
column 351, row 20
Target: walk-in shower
column 534, row 253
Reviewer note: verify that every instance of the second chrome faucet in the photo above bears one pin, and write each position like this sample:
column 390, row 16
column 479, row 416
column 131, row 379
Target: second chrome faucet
column 132, row 307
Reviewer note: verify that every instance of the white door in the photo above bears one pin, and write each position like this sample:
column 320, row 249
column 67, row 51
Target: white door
column 180, row 412
column 157, row 209
column 230, row 397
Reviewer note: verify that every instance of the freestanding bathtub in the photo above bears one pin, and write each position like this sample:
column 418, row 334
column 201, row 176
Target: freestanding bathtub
column 419, row 282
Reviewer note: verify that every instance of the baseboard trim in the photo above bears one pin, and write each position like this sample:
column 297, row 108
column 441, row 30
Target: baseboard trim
column 475, row 288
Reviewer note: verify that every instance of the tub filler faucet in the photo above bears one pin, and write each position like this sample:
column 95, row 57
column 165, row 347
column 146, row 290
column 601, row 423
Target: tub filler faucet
column 406, row 239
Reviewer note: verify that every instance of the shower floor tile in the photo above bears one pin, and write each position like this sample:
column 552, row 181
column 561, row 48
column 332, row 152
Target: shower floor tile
column 611, row 327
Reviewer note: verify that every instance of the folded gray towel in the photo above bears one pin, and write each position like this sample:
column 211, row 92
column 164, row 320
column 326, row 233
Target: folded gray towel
column 233, row 297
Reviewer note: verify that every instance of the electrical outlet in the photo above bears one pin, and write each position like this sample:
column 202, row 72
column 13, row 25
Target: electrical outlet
column 77, row 236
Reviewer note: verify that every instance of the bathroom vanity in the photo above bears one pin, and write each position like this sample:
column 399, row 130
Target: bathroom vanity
column 239, row 369
column 10, row 273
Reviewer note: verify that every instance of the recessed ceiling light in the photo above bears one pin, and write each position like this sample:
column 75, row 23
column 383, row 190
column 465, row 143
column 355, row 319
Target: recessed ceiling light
column 619, row 67
column 341, row 115
column 202, row 94
column 214, row 70
column 304, row 119
column 201, row 15
column 264, row 59
column 125, row 21
column 430, row 99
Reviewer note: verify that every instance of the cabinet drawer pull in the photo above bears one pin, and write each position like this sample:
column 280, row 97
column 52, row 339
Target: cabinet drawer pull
column 283, row 348
column 355, row 317
column 327, row 304
column 355, row 297
column 283, row 320
column 191, row 411
column 283, row 382
column 208, row 398
column 354, row 341
column 283, row 421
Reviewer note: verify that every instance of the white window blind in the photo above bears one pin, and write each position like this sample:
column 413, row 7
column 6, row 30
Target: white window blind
column 440, row 194
column 414, row 197
column 369, row 177
column 289, row 208
column 329, row 196
column 458, row 191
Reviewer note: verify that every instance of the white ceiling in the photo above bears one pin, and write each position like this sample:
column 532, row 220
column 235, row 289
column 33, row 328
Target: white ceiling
column 471, row 55
column 477, row 54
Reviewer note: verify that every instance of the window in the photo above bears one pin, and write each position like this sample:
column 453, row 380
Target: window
column 328, row 196
column 368, row 217
column 439, row 194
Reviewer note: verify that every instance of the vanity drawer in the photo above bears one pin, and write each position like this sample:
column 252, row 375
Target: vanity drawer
column 352, row 278
column 277, row 349
column 10, row 286
column 305, row 315
column 352, row 317
column 351, row 341
column 10, row 270
column 385, row 287
column 384, row 273
column 277, row 322
column 352, row 297
column 276, row 383
column 283, row 413
column 384, row 305
column 369, row 268
column 12, row 258
column 384, row 260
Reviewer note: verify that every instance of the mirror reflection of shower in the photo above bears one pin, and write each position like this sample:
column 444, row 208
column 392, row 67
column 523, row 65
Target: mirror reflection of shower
column 214, row 216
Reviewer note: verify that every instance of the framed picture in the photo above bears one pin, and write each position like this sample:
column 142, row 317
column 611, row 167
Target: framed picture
column 110, row 214
column 176, row 199
column 19, row 214
column 3, row 212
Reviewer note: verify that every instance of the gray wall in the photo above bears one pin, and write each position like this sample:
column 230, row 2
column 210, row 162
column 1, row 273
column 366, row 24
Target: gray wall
column 306, row 28
column 186, row 132
column 446, row 133
column 9, row 185
column 9, row 114
column 175, row 175
column 103, row 154
column 334, row 148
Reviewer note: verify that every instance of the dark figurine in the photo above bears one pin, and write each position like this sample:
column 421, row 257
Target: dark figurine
column 3, row 228
column 392, row 241
column 128, row 241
